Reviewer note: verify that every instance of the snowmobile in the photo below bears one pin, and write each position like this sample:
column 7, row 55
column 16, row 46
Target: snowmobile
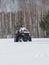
column 23, row 36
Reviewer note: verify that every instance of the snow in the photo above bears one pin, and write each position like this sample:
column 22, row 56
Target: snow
column 24, row 53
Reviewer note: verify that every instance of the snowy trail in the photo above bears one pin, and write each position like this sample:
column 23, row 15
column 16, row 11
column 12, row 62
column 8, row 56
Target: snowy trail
column 22, row 53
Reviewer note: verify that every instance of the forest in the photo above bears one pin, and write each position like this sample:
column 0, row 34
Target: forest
column 14, row 13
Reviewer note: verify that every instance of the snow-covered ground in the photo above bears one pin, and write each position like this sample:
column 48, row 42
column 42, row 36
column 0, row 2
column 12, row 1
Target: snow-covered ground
column 24, row 53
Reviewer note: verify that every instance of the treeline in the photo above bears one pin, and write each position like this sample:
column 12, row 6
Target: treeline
column 29, row 13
